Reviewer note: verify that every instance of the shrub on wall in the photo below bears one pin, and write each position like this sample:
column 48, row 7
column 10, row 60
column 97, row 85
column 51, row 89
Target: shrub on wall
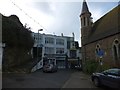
column 91, row 66
column 18, row 42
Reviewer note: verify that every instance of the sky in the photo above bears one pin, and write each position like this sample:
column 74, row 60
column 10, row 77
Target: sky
column 55, row 16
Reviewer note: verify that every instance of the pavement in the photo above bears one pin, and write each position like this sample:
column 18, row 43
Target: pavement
column 79, row 80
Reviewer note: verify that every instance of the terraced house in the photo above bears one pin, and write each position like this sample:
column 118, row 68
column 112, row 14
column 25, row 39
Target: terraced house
column 101, row 39
column 62, row 51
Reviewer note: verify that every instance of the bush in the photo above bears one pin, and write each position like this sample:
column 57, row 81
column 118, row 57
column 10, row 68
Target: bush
column 18, row 42
column 91, row 66
column 102, row 68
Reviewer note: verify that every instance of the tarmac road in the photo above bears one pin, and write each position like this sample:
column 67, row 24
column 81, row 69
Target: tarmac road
column 38, row 79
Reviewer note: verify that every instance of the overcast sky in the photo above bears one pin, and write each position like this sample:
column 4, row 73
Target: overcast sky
column 55, row 16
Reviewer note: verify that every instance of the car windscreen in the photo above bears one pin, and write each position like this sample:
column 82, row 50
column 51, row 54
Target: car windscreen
column 114, row 72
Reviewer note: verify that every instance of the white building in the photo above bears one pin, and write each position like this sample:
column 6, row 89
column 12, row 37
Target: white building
column 55, row 48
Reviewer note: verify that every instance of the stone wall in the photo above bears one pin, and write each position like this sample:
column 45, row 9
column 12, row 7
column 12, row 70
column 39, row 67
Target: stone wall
column 106, row 45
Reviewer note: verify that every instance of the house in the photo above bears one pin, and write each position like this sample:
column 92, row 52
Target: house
column 53, row 49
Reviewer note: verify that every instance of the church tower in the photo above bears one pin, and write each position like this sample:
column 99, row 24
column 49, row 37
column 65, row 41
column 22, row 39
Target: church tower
column 86, row 23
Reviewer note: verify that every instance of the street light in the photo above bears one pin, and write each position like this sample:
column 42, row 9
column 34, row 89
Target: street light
column 38, row 42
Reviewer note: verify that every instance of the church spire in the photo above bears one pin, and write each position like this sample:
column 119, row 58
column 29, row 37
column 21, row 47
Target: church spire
column 85, row 8
column 86, row 22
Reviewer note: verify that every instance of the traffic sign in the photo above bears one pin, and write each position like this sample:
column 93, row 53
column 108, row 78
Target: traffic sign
column 100, row 53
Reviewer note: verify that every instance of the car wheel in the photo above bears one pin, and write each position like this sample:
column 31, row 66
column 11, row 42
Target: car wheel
column 96, row 81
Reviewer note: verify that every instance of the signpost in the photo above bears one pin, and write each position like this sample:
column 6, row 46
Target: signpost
column 100, row 55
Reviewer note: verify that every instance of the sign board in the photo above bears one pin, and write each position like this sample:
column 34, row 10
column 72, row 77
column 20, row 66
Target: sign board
column 100, row 53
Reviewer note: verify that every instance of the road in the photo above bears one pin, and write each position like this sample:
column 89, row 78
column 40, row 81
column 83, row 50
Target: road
column 38, row 79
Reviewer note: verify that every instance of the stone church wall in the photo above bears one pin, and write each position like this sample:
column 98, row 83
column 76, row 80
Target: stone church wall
column 107, row 46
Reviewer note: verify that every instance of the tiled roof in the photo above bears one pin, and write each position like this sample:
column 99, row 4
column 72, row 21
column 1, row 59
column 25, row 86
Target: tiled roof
column 106, row 26
column 85, row 8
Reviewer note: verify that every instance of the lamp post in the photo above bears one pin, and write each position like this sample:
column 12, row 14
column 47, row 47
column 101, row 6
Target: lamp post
column 38, row 43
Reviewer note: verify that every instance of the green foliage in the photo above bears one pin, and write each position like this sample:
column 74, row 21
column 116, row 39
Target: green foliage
column 18, row 41
column 15, row 34
column 102, row 67
column 90, row 66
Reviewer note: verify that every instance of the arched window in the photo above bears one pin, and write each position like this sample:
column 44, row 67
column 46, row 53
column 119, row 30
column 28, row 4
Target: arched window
column 88, row 21
column 84, row 21
column 81, row 22
column 97, row 49
column 116, row 50
column 119, row 51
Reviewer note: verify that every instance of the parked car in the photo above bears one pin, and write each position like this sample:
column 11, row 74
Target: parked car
column 50, row 68
column 110, row 78
column 78, row 67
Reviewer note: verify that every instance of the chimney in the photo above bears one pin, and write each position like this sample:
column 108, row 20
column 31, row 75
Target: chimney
column 62, row 34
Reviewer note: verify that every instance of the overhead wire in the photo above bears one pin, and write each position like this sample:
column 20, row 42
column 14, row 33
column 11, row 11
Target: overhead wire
column 27, row 15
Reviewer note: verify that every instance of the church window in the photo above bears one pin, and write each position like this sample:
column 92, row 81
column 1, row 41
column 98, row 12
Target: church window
column 116, row 41
column 88, row 21
column 97, row 48
column 116, row 50
column 84, row 21
column 119, row 51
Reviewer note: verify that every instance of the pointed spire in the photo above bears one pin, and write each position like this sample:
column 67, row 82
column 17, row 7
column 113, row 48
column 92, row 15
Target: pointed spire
column 118, row 3
column 84, row 8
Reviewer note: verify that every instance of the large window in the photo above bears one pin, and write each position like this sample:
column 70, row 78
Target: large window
column 49, row 40
column 49, row 50
column 88, row 21
column 59, row 50
column 116, row 50
column 36, row 37
column 84, row 21
column 59, row 41
column 73, row 54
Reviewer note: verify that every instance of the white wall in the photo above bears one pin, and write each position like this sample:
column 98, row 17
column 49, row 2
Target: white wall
column 39, row 65
column 43, row 36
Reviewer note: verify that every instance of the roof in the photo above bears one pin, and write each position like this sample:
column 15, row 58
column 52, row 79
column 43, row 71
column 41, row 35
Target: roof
column 85, row 8
column 55, row 36
column 106, row 26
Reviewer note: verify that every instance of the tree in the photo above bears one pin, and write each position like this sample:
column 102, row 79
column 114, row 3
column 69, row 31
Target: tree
column 18, row 40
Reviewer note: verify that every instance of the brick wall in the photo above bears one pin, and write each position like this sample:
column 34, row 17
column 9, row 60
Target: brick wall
column 106, row 45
